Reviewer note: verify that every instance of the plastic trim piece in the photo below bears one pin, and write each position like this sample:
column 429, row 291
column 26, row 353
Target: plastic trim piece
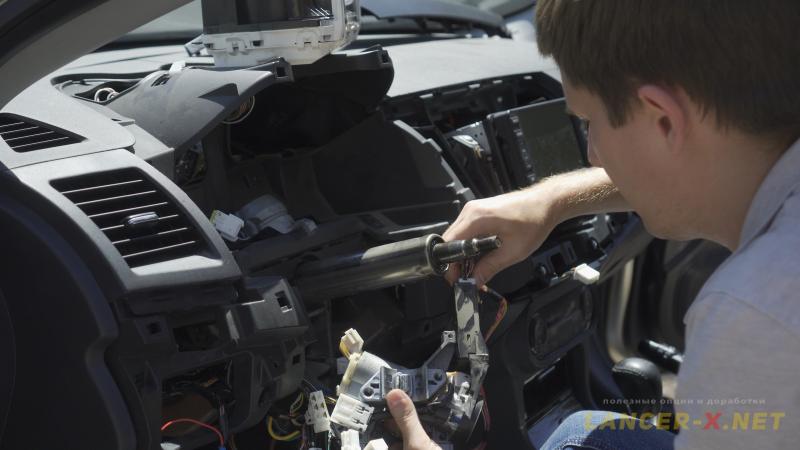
column 216, row 264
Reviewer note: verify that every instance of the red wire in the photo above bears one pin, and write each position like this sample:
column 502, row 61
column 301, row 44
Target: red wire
column 501, row 313
column 487, row 419
column 198, row 423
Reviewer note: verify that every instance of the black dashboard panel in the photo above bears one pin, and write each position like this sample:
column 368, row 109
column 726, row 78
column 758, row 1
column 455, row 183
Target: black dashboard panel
column 42, row 104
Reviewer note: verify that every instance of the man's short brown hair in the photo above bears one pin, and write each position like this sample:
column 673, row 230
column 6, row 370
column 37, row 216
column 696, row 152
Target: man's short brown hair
column 737, row 59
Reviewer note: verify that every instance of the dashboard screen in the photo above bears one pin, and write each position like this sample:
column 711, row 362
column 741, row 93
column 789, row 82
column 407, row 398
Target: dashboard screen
column 549, row 134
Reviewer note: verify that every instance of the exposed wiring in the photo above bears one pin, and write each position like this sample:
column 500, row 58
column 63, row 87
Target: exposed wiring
column 487, row 421
column 304, row 440
column 294, row 409
column 241, row 113
column 501, row 313
column 502, row 310
column 277, row 437
column 199, row 424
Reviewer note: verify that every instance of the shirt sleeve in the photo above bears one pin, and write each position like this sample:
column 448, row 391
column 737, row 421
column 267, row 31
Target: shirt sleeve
column 739, row 384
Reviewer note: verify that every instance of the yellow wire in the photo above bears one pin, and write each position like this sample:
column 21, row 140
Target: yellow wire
column 289, row 437
column 298, row 402
column 343, row 349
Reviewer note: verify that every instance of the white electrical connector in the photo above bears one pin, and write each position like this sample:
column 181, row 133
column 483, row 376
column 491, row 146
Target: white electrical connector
column 350, row 440
column 227, row 225
column 585, row 274
column 341, row 365
column 351, row 413
column 317, row 413
column 377, row 444
column 352, row 341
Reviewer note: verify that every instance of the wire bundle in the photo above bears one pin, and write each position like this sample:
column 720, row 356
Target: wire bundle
column 199, row 424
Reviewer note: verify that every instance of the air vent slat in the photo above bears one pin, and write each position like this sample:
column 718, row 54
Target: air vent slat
column 127, row 210
column 100, row 201
column 16, row 129
column 5, row 126
column 120, row 227
column 144, row 224
column 97, row 188
column 159, row 250
column 158, row 235
column 41, row 145
column 26, row 136
column 30, row 134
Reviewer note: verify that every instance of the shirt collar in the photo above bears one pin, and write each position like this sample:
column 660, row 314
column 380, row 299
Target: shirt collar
column 781, row 181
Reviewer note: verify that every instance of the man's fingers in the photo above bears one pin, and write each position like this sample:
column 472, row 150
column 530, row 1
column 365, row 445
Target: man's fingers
column 467, row 226
column 453, row 272
column 487, row 267
column 405, row 415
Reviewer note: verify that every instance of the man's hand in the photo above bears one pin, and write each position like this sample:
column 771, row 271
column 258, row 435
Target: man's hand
column 522, row 220
column 405, row 416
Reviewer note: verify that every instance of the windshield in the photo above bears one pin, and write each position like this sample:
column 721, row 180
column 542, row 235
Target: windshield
column 186, row 22
column 502, row 7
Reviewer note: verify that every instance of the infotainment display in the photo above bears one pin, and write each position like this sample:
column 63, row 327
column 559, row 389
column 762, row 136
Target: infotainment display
column 535, row 142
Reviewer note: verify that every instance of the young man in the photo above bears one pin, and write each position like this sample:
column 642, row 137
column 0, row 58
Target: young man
column 694, row 114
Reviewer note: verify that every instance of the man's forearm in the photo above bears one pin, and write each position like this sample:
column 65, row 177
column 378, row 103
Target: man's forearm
column 582, row 192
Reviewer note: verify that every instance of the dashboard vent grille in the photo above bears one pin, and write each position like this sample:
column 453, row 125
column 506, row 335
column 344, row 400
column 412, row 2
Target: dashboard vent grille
column 25, row 136
column 143, row 223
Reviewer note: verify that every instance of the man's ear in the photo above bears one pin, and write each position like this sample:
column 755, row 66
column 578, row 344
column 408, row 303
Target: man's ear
column 667, row 109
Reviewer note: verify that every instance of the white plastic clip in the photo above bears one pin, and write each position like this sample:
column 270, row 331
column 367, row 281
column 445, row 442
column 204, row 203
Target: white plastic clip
column 585, row 274
column 351, row 413
column 227, row 225
column 317, row 413
column 352, row 341
column 350, row 440
column 377, row 444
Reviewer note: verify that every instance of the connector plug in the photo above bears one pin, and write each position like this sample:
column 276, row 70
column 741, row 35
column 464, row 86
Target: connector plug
column 585, row 274
column 377, row 444
column 351, row 413
column 228, row 225
column 352, row 341
column 350, row 440
column 317, row 413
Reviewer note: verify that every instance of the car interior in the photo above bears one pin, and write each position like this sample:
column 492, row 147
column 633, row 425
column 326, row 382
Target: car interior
column 186, row 243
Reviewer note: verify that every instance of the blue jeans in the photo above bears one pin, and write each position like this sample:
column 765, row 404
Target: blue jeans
column 601, row 430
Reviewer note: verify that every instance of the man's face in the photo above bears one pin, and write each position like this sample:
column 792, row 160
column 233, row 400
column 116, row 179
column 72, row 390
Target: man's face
column 637, row 160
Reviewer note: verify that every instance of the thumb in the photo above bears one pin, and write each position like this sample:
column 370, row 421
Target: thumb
column 405, row 415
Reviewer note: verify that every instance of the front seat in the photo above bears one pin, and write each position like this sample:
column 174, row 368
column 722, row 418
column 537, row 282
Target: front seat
column 8, row 362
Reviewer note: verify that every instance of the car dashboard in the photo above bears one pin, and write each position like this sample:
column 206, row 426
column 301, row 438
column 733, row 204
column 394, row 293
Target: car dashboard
column 119, row 170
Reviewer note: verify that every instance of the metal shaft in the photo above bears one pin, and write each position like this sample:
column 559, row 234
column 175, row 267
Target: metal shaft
column 386, row 265
column 453, row 251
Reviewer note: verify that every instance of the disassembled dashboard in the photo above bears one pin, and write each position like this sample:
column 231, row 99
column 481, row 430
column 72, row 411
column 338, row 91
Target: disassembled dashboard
column 261, row 213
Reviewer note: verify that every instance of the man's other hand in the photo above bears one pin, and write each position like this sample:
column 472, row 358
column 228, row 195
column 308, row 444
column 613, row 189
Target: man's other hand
column 405, row 416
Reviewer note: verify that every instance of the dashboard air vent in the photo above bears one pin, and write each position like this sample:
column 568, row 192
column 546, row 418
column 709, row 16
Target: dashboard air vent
column 143, row 223
column 23, row 135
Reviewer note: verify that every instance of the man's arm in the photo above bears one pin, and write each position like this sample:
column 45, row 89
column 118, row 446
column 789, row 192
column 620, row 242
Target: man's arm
column 523, row 219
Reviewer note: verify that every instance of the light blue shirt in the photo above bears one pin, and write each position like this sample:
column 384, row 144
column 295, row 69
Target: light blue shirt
column 739, row 385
